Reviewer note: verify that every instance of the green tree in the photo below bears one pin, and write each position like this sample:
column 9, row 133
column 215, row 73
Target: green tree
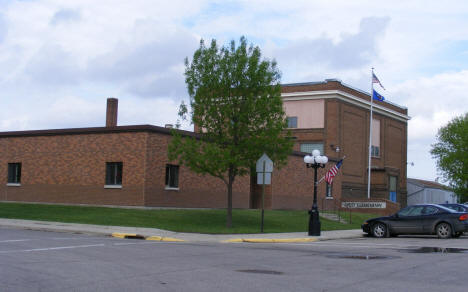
column 235, row 98
column 451, row 152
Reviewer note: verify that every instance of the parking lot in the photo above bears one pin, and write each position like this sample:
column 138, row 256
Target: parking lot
column 50, row 261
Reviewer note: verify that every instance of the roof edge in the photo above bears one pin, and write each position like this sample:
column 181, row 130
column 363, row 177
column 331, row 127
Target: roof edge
column 342, row 84
column 96, row 130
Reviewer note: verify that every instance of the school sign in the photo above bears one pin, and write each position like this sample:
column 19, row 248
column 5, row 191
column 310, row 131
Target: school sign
column 364, row 205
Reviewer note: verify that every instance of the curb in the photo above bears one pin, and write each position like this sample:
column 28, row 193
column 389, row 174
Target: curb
column 270, row 240
column 137, row 236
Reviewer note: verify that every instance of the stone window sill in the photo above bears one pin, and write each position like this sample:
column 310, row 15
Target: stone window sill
column 112, row 186
column 13, row 185
column 171, row 188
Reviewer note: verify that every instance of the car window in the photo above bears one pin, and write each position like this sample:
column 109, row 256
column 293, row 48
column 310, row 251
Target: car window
column 411, row 211
column 405, row 211
column 446, row 209
column 429, row 210
column 461, row 208
column 417, row 211
column 452, row 207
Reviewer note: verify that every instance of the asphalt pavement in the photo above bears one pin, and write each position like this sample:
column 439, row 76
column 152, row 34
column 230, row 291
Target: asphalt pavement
column 165, row 235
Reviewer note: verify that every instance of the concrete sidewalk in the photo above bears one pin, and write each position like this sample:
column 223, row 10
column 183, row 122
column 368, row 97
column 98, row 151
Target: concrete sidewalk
column 164, row 235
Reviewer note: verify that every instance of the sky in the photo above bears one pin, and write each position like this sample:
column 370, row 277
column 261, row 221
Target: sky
column 60, row 60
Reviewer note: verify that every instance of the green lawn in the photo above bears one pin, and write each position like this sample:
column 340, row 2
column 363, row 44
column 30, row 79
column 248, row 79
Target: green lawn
column 180, row 220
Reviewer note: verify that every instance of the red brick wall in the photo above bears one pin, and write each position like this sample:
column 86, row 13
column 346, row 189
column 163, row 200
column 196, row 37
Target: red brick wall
column 392, row 160
column 347, row 126
column 71, row 168
column 293, row 185
column 194, row 190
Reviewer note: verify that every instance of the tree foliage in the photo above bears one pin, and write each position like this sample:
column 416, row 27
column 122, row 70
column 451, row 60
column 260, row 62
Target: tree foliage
column 235, row 98
column 451, row 152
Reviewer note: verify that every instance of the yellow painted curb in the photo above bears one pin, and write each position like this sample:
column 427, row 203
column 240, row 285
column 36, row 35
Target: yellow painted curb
column 171, row 239
column 168, row 239
column 157, row 238
column 258, row 240
column 271, row 240
column 122, row 235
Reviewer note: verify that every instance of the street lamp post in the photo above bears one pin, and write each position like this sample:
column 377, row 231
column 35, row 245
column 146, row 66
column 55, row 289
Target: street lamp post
column 315, row 161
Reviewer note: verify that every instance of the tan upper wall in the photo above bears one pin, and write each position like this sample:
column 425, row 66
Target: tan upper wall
column 309, row 113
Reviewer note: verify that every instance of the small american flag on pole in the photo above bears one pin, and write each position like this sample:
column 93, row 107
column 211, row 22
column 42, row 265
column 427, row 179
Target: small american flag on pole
column 333, row 171
column 376, row 80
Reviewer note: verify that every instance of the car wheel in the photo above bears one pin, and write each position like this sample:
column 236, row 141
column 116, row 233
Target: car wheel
column 444, row 230
column 379, row 230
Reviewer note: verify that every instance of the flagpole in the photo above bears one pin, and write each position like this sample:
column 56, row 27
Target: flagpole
column 370, row 134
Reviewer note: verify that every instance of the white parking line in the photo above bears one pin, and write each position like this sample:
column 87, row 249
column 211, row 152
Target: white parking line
column 51, row 248
column 14, row 240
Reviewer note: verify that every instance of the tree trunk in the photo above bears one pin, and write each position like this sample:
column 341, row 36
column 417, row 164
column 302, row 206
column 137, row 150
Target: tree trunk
column 229, row 198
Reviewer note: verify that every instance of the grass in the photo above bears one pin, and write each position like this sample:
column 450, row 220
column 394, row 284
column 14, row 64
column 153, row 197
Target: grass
column 180, row 220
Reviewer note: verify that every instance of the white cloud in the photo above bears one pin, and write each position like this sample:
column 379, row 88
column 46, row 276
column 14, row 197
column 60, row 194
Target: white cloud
column 307, row 59
column 59, row 60
column 432, row 102
column 64, row 16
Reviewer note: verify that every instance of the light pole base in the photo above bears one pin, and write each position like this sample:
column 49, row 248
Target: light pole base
column 314, row 223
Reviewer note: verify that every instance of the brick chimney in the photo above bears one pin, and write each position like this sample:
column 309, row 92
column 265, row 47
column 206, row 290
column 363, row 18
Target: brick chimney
column 111, row 113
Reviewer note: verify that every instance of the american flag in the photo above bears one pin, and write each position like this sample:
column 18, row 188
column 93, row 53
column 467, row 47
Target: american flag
column 376, row 80
column 333, row 171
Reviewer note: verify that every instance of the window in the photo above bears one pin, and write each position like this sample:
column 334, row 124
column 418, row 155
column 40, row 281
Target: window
column 309, row 147
column 328, row 192
column 113, row 173
column 292, row 122
column 172, row 176
column 392, row 188
column 375, row 151
column 14, row 173
column 411, row 211
column 430, row 210
column 375, row 148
